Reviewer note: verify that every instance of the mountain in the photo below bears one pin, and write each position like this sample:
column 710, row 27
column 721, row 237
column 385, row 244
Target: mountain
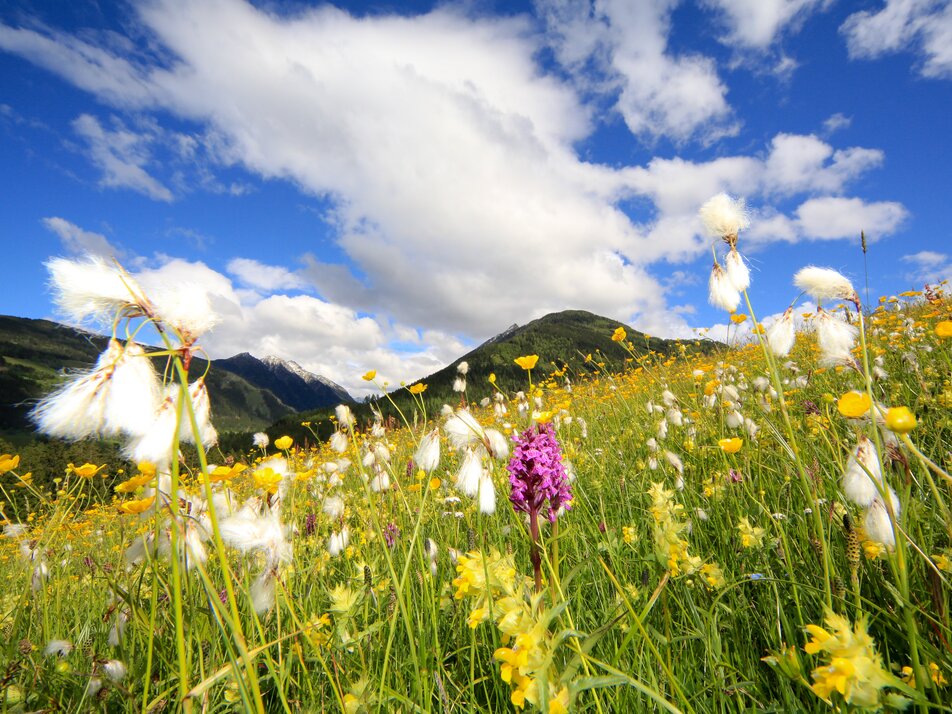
column 288, row 381
column 563, row 340
column 34, row 353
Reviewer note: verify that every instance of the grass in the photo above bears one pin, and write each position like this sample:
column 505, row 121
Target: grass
column 653, row 598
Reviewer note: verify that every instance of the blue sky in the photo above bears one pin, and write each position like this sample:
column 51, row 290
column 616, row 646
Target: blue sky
column 381, row 185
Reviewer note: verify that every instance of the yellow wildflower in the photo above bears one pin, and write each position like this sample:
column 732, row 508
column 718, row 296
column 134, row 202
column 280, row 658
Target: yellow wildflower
column 8, row 463
column 730, row 446
column 87, row 470
column 713, row 576
column 738, row 318
column 750, row 536
column 854, row 669
column 370, row 376
column 527, row 362
column 944, row 328
column 418, row 388
column 283, row 443
column 900, row 420
column 136, row 506
column 226, row 473
column 267, row 479
column 134, row 483
column 854, row 404
column 619, row 335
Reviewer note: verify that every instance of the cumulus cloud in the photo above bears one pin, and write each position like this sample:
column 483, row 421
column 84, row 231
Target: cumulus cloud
column 928, row 266
column 77, row 241
column 660, row 94
column 447, row 154
column 266, row 278
column 835, row 122
column 757, row 24
column 922, row 26
column 324, row 338
column 122, row 155
column 833, row 217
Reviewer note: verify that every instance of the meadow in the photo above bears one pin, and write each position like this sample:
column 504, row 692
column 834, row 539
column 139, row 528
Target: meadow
column 764, row 527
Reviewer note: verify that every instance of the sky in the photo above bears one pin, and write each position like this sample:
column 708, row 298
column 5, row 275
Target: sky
column 384, row 185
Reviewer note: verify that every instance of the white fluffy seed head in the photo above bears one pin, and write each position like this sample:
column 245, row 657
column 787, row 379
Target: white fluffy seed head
column 836, row 339
column 427, row 456
column 782, row 335
column 737, row 270
column 185, row 308
column 334, row 507
column 469, row 474
column 825, row 284
column 345, row 417
column 877, row 523
column 861, row 470
column 463, row 368
column 487, row 495
column 92, row 288
column 723, row 216
column 721, row 291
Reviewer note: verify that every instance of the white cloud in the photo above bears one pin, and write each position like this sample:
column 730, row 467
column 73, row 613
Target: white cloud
column 924, row 26
column 835, row 122
column 449, row 158
column 266, row 278
column 121, row 154
column 661, row 94
column 799, row 164
column 928, row 266
column 832, row 217
column 757, row 24
column 326, row 339
column 77, row 241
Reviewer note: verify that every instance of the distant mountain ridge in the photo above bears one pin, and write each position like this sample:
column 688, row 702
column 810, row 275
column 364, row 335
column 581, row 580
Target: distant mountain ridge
column 562, row 340
column 288, row 381
column 246, row 397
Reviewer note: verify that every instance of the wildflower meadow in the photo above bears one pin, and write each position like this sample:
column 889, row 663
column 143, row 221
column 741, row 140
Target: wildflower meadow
column 762, row 525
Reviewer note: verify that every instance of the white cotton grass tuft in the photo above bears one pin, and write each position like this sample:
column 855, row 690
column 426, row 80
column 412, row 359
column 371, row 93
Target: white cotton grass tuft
column 345, row 417
column 487, row 495
column 463, row 431
column 262, row 592
column 427, row 456
column 469, row 474
column 737, row 270
column 459, row 384
column 339, row 442
column 337, row 542
column 133, row 394
column 114, row 670
column 825, row 284
column 862, row 473
column 93, row 289
column 782, row 335
column 119, row 395
column 333, row 507
column 724, row 217
column 185, row 308
column 201, row 406
column 721, row 291
column 877, row 524
column 58, row 648
column 836, row 339
column 463, row 368
column 260, row 440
